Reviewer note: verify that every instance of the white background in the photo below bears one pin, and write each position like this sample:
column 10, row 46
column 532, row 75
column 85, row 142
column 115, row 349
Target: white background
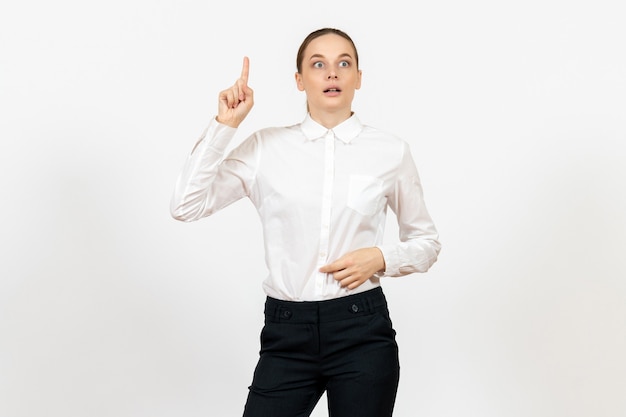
column 516, row 115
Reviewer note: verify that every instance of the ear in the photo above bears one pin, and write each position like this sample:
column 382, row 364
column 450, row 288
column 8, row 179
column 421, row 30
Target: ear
column 299, row 83
column 358, row 80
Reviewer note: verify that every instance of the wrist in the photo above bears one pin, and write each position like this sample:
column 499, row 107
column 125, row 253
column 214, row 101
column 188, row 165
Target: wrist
column 229, row 123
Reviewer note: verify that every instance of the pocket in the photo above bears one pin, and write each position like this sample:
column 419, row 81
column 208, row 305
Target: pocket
column 384, row 326
column 364, row 194
column 284, row 338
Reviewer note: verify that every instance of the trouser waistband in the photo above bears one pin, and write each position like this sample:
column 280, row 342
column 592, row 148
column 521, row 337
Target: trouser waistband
column 364, row 303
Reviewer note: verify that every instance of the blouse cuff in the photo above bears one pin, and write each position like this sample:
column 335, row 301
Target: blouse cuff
column 216, row 136
column 390, row 255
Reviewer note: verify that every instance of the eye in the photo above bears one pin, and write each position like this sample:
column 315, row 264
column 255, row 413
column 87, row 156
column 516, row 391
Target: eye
column 318, row 64
column 344, row 64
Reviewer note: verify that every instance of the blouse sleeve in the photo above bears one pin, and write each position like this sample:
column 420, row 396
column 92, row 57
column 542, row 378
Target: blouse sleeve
column 419, row 243
column 209, row 182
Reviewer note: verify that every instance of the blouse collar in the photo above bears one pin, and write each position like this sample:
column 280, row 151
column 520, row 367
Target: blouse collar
column 345, row 131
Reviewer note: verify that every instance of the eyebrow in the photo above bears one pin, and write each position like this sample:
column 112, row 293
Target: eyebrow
column 344, row 55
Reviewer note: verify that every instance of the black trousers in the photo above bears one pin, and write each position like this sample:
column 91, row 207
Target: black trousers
column 345, row 347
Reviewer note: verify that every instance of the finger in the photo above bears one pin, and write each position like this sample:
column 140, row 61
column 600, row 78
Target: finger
column 224, row 98
column 237, row 94
column 227, row 98
column 242, row 89
column 332, row 267
column 245, row 71
column 349, row 282
column 354, row 285
column 353, row 281
column 346, row 283
column 341, row 274
column 231, row 98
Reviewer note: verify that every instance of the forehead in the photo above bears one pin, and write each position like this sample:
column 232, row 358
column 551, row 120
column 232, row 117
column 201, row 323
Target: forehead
column 329, row 45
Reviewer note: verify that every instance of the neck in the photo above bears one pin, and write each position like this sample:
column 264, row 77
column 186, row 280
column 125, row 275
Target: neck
column 330, row 119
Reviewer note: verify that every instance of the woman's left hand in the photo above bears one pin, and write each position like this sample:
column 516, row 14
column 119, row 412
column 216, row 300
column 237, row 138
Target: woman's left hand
column 354, row 268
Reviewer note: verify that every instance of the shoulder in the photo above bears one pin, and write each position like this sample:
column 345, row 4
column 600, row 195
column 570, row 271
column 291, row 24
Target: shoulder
column 270, row 133
column 277, row 130
column 266, row 137
column 385, row 138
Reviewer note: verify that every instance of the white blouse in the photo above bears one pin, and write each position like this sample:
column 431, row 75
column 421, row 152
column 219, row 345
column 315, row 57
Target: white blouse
column 320, row 193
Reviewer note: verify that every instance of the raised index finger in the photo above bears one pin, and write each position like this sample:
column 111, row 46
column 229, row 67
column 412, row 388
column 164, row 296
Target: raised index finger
column 245, row 70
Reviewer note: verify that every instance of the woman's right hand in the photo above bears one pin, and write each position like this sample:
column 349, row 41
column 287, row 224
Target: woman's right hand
column 235, row 102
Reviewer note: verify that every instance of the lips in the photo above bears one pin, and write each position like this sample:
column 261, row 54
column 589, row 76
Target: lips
column 333, row 90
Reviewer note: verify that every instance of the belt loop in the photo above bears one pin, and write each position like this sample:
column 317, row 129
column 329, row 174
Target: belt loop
column 273, row 310
column 370, row 305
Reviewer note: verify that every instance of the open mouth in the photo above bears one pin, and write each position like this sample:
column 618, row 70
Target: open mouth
column 332, row 90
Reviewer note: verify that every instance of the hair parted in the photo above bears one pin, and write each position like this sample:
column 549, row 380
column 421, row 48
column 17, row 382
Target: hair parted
column 316, row 34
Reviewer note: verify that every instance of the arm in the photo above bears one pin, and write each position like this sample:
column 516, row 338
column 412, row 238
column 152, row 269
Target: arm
column 419, row 244
column 418, row 248
column 207, row 182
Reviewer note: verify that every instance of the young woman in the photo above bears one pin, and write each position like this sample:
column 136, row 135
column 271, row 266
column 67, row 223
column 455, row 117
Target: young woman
column 321, row 188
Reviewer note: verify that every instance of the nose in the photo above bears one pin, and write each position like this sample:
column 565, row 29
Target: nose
column 332, row 75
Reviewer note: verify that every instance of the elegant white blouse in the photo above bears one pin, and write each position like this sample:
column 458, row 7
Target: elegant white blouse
column 320, row 193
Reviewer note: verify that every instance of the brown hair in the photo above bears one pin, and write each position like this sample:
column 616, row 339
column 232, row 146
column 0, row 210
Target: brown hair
column 317, row 34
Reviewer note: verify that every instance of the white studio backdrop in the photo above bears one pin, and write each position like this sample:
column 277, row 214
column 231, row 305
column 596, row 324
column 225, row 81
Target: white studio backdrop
column 516, row 115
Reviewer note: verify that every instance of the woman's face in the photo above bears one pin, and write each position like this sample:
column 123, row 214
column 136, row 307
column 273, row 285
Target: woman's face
column 329, row 74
